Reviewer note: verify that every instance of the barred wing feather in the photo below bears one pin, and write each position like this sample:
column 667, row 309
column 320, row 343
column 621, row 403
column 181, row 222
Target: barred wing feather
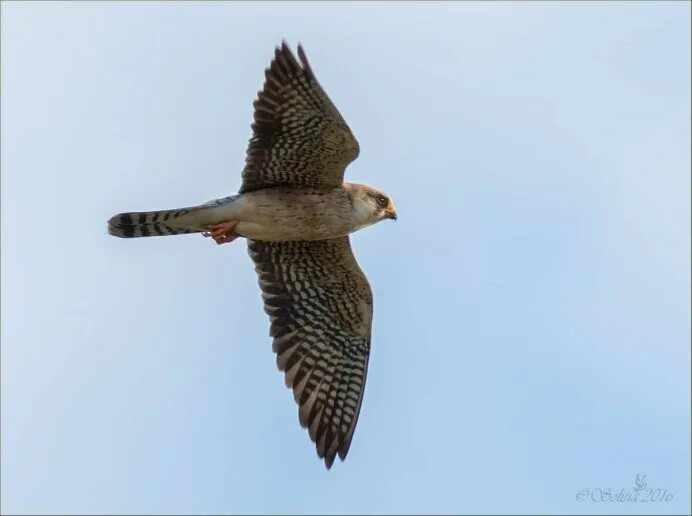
column 320, row 306
column 299, row 137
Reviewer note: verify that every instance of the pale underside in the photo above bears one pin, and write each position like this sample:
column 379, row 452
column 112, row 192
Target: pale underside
column 281, row 213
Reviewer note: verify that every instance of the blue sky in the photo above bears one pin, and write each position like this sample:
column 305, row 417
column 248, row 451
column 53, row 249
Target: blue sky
column 532, row 304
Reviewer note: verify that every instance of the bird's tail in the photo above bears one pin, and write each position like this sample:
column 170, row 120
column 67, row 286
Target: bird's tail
column 148, row 223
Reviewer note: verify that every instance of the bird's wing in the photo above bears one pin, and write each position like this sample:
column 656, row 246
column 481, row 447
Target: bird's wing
column 299, row 137
column 320, row 306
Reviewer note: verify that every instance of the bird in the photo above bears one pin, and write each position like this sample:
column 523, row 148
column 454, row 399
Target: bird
column 296, row 213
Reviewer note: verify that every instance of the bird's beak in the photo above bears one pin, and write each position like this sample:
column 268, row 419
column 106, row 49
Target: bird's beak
column 392, row 215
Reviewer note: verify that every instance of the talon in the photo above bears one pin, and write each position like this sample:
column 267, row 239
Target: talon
column 222, row 233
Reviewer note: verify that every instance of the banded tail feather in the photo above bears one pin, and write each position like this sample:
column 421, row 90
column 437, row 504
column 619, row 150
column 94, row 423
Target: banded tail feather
column 147, row 223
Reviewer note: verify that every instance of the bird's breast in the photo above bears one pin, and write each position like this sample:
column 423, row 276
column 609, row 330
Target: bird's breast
column 278, row 214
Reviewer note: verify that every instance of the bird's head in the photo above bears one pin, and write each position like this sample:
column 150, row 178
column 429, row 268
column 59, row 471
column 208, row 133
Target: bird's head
column 371, row 205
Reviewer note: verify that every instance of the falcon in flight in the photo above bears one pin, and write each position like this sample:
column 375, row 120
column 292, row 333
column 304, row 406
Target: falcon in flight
column 296, row 213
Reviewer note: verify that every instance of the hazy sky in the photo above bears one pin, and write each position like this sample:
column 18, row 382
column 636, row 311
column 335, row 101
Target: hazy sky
column 532, row 304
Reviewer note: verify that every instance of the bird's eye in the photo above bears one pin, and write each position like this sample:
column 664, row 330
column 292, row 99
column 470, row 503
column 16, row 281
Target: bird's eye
column 382, row 201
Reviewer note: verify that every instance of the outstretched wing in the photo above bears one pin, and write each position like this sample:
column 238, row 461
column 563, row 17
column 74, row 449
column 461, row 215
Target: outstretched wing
column 320, row 306
column 299, row 137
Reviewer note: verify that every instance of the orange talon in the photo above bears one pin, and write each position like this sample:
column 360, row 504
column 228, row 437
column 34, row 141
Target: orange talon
column 222, row 233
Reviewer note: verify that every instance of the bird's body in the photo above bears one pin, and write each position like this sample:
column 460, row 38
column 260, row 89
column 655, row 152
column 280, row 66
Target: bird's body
column 280, row 213
column 296, row 212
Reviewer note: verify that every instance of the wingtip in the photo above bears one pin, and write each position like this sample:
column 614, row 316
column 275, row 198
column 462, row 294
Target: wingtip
column 329, row 461
column 301, row 54
column 304, row 60
column 285, row 49
column 343, row 452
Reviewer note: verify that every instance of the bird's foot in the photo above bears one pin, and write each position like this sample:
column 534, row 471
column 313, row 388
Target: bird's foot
column 222, row 233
